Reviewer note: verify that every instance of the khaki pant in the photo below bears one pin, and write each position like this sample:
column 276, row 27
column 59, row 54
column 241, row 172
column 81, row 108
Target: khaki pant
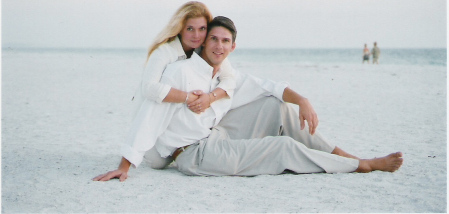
column 219, row 155
column 271, row 117
column 261, row 118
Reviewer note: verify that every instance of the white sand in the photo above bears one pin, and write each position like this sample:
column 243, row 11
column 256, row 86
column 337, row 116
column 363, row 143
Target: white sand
column 63, row 116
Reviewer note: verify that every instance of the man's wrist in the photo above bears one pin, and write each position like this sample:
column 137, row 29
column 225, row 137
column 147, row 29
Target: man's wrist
column 302, row 100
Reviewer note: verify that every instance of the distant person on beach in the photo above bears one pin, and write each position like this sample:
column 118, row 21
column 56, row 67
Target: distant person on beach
column 366, row 54
column 201, row 147
column 376, row 53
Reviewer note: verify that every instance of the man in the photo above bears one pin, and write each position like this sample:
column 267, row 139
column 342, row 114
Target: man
column 376, row 53
column 201, row 147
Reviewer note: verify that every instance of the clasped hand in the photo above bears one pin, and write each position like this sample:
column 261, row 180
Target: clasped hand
column 198, row 101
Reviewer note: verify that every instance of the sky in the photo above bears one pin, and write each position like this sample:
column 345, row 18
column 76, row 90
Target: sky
column 260, row 23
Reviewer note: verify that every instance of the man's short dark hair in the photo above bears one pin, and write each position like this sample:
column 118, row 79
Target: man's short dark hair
column 221, row 21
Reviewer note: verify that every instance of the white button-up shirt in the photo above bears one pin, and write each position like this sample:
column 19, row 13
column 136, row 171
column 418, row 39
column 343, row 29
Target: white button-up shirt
column 169, row 126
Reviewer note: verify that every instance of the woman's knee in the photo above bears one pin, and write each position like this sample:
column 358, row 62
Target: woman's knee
column 159, row 163
column 155, row 161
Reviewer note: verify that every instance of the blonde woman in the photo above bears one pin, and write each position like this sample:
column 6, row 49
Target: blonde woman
column 185, row 32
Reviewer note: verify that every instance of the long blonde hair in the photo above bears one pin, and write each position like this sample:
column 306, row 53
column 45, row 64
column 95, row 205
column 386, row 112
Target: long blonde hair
column 192, row 9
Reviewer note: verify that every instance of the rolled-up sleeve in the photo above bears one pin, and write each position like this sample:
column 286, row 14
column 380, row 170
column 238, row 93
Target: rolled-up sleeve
column 152, row 88
column 227, row 78
column 250, row 88
column 150, row 122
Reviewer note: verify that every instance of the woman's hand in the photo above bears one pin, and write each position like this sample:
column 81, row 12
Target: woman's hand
column 193, row 95
column 201, row 104
column 121, row 173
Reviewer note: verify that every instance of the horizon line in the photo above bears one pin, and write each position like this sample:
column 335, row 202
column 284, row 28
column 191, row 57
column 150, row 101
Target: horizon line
column 245, row 48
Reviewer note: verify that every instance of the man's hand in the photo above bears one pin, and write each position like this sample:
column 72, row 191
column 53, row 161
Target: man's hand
column 201, row 104
column 306, row 112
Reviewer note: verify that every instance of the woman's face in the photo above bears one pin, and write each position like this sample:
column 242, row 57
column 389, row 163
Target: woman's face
column 193, row 33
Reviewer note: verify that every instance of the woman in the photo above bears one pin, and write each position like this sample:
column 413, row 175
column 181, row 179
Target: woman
column 185, row 32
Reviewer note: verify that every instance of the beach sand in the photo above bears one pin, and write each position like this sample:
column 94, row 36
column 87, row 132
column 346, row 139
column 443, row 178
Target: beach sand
column 64, row 115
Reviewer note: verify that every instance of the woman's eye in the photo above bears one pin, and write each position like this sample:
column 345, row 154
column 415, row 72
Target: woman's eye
column 189, row 29
column 203, row 28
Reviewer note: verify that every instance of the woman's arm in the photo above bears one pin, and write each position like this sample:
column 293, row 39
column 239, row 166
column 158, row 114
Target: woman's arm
column 205, row 100
column 152, row 88
column 178, row 96
column 224, row 89
column 227, row 78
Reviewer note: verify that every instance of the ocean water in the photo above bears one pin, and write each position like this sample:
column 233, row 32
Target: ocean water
column 424, row 57
column 286, row 57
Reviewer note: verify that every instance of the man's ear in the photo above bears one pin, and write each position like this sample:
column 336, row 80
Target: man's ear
column 234, row 45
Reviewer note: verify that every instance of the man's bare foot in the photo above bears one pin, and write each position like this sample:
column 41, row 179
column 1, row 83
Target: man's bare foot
column 340, row 152
column 389, row 163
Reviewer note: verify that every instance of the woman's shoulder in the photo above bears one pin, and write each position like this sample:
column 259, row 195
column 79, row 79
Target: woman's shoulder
column 168, row 49
column 164, row 50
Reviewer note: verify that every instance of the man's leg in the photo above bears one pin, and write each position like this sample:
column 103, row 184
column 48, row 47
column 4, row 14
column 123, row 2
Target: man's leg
column 221, row 156
column 270, row 155
column 271, row 117
column 264, row 117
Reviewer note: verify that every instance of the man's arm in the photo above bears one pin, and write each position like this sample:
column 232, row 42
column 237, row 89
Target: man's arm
column 250, row 88
column 306, row 111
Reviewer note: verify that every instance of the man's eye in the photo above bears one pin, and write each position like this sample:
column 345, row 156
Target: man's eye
column 189, row 29
column 203, row 28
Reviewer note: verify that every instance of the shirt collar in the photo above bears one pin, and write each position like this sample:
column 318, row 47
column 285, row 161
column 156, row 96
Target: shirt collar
column 176, row 44
column 204, row 67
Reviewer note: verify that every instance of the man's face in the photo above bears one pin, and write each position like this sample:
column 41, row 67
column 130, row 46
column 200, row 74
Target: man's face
column 217, row 46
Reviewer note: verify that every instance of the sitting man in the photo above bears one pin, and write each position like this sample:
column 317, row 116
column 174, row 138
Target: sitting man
column 200, row 146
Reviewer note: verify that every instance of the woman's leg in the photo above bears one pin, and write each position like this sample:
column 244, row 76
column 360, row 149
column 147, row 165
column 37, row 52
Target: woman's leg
column 154, row 159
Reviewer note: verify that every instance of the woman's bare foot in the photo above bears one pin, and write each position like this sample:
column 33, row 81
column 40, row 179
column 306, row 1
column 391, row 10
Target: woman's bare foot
column 389, row 163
